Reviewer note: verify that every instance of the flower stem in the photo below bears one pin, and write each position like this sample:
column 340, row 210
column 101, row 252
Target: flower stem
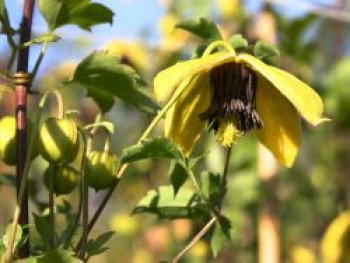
column 52, row 206
column 216, row 44
column 39, row 59
column 223, row 184
column 85, row 206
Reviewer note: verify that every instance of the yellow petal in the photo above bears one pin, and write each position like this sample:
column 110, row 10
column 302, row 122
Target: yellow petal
column 307, row 102
column 281, row 133
column 182, row 124
column 168, row 79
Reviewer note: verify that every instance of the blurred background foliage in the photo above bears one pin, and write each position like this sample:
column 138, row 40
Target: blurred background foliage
column 304, row 200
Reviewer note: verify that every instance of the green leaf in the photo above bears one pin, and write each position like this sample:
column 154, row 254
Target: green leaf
column 18, row 237
column 45, row 38
column 43, row 227
column 218, row 240
column 238, row 42
column 156, row 147
column 265, row 51
column 8, row 179
column 96, row 246
column 105, row 77
column 56, row 256
column 210, row 185
column 203, row 28
column 165, row 204
column 178, row 175
column 82, row 13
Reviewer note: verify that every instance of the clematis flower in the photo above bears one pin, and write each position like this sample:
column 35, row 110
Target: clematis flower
column 234, row 94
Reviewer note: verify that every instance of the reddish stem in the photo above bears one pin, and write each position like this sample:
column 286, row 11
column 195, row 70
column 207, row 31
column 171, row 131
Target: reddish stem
column 21, row 118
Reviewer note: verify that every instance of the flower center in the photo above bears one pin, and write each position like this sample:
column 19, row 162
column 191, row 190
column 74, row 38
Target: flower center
column 234, row 98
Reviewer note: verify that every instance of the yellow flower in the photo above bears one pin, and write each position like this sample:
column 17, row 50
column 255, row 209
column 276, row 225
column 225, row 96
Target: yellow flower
column 233, row 94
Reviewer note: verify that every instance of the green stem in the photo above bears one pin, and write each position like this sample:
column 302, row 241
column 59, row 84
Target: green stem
column 223, row 184
column 81, row 246
column 216, row 44
column 52, row 206
column 12, row 58
column 39, row 59
column 85, row 219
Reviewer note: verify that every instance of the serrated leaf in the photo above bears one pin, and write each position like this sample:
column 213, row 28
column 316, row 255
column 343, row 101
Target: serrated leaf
column 203, row 28
column 56, row 256
column 238, row 42
column 43, row 227
column 165, row 204
column 96, row 246
column 178, row 175
column 156, row 147
column 265, row 51
column 82, row 13
column 105, row 78
column 210, row 185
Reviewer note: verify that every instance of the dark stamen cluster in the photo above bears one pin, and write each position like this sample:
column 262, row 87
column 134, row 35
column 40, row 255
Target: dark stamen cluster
column 234, row 94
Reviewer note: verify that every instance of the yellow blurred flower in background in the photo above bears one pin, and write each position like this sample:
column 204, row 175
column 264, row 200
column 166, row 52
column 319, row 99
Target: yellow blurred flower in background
column 302, row 254
column 124, row 224
column 335, row 244
column 131, row 53
column 229, row 9
column 171, row 39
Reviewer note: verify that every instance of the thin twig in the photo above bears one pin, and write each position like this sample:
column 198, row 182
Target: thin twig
column 195, row 239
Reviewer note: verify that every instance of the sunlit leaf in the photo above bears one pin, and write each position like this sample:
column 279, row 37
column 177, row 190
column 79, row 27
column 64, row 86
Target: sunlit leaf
column 57, row 256
column 50, row 37
column 210, row 185
column 105, row 78
column 218, row 240
column 156, row 147
column 82, row 13
column 203, row 28
column 165, row 204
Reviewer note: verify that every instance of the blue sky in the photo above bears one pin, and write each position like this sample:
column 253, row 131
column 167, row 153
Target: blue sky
column 132, row 17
